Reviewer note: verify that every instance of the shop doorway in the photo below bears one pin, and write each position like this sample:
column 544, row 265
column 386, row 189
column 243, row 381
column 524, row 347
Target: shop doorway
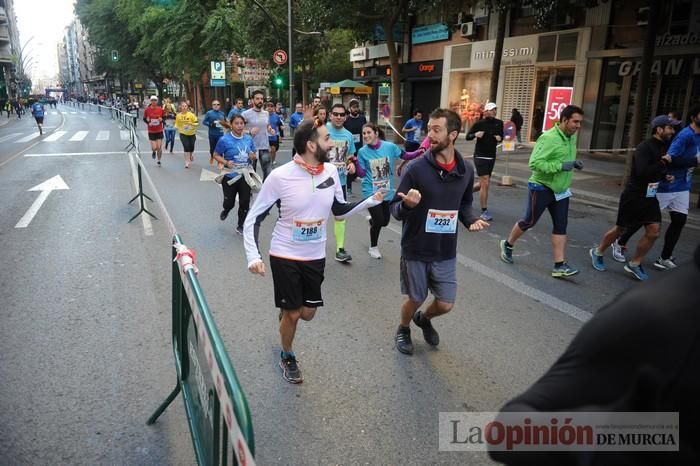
column 425, row 95
column 546, row 78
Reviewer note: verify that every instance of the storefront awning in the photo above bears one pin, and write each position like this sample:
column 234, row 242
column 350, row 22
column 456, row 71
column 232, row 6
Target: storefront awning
column 348, row 86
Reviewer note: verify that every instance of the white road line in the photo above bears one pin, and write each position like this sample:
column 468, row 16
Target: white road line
column 124, row 135
column 28, row 138
column 55, row 136
column 518, row 286
column 73, row 113
column 67, row 154
column 103, row 135
column 79, row 136
column 7, row 137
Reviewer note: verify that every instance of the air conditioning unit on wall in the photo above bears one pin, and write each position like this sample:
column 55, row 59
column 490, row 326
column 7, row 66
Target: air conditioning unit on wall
column 466, row 29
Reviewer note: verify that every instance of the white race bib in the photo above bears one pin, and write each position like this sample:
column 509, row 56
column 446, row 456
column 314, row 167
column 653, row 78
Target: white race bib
column 307, row 230
column 651, row 189
column 441, row 221
column 562, row 195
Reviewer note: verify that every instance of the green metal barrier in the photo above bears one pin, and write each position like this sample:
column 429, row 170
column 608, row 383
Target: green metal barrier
column 217, row 411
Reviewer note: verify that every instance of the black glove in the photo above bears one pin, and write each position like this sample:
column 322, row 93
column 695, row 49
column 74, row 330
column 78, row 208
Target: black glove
column 567, row 166
column 578, row 164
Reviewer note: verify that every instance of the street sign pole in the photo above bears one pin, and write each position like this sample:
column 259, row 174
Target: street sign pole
column 289, row 56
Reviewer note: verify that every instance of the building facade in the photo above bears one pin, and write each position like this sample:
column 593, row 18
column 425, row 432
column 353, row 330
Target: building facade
column 9, row 50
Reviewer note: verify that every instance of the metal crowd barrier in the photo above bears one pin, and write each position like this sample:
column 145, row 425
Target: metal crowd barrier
column 217, row 411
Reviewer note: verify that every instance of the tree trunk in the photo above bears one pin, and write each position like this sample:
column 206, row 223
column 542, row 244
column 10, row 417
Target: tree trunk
column 642, row 92
column 498, row 53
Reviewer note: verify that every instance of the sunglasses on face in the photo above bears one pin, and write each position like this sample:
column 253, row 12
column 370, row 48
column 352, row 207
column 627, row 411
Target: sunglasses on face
column 338, row 114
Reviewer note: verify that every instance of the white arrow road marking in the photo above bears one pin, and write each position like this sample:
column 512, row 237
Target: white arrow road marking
column 207, row 175
column 46, row 187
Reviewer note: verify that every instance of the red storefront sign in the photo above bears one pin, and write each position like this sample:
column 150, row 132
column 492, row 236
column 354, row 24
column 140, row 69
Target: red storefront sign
column 557, row 99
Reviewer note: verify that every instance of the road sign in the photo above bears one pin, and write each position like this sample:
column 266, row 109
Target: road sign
column 279, row 57
column 557, row 99
column 218, row 74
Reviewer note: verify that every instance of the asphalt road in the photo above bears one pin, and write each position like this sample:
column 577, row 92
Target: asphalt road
column 85, row 340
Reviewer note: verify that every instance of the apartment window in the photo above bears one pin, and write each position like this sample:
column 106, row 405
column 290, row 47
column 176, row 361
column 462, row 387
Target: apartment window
column 546, row 48
column 566, row 46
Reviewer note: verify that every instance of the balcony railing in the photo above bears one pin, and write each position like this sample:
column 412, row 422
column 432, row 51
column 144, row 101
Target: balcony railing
column 3, row 16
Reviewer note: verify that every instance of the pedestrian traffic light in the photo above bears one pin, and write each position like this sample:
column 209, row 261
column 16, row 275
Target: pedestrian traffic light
column 278, row 81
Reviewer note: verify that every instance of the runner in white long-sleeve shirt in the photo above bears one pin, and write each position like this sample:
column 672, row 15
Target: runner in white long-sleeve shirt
column 309, row 190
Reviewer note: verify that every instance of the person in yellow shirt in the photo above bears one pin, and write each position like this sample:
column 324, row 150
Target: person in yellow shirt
column 186, row 123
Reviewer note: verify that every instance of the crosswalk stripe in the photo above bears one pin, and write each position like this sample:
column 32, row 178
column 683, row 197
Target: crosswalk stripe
column 28, row 138
column 103, row 136
column 73, row 113
column 55, row 136
column 9, row 136
column 54, row 113
column 124, row 135
column 79, row 136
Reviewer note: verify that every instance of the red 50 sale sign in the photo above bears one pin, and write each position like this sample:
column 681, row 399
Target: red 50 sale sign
column 557, row 99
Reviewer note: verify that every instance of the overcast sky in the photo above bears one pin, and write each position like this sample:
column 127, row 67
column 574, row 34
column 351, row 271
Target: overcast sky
column 42, row 21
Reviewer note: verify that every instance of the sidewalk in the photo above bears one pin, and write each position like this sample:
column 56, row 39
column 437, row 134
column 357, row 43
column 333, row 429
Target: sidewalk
column 599, row 183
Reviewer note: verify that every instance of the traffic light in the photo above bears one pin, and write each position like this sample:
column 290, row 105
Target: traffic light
column 278, row 81
column 115, row 55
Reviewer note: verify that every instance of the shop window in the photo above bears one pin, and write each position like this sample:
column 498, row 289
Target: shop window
column 566, row 46
column 546, row 48
column 461, row 56
column 608, row 106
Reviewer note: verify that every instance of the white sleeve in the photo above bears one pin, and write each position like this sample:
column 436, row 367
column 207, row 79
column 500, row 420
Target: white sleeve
column 268, row 195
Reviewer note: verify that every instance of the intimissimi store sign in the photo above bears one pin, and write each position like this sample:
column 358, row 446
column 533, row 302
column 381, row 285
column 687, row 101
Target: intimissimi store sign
column 665, row 67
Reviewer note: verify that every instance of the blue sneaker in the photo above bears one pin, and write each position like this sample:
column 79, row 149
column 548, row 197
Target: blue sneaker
column 637, row 271
column 597, row 260
column 506, row 252
column 486, row 216
column 564, row 270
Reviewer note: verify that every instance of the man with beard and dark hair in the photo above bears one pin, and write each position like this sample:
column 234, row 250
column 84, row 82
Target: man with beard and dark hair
column 307, row 190
column 638, row 202
column 354, row 122
column 257, row 122
column 488, row 133
column 435, row 192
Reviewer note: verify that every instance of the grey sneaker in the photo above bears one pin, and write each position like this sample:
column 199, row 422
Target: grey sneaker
column 618, row 252
column 290, row 370
column 403, row 340
column 564, row 270
column 342, row 256
column 665, row 264
column 597, row 260
column 429, row 333
column 637, row 271
column 506, row 252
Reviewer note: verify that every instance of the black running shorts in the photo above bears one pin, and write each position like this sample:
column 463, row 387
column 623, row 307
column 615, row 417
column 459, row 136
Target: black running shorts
column 297, row 283
column 637, row 210
column 155, row 136
column 39, row 120
column 484, row 166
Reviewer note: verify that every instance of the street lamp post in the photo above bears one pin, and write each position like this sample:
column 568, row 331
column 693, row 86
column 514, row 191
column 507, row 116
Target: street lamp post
column 289, row 57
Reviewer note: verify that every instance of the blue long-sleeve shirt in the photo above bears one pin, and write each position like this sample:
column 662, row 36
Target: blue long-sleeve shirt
column 211, row 121
column 684, row 152
column 295, row 119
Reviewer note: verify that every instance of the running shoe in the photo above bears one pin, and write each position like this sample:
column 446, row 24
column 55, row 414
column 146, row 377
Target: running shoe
column 564, row 270
column 665, row 264
column 637, row 271
column 342, row 256
column 290, row 370
column 403, row 340
column 618, row 252
column 506, row 252
column 374, row 253
column 239, row 230
column 486, row 216
column 429, row 333
column 159, row 163
column 597, row 260
column 223, row 215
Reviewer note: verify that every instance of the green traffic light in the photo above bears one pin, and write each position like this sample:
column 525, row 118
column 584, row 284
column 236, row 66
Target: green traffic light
column 278, row 81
